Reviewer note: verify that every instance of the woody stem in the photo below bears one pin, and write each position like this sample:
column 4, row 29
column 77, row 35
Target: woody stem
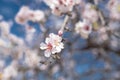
column 64, row 23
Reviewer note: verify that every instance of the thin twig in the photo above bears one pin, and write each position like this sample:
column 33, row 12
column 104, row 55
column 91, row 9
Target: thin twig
column 100, row 13
column 101, row 17
column 64, row 23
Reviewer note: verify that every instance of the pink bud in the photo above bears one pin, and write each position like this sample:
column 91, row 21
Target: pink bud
column 60, row 32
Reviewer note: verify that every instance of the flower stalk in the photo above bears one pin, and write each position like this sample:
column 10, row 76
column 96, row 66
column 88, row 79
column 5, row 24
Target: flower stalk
column 60, row 32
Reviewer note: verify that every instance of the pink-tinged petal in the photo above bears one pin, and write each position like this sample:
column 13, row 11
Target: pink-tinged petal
column 47, row 53
column 59, row 38
column 51, row 35
column 43, row 46
column 48, row 40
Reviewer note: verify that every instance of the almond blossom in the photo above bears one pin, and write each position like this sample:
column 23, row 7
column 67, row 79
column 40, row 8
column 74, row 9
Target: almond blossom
column 84, row 28
column 4, row 43
column 22, row 15
column 30, row 33
column 114, row 8
column 53, row 44
column 32, row 59
column 5, row 27
column 38, row 15
column 10, row 71
column 26, row 14
column 61, row 6
column 90, row 13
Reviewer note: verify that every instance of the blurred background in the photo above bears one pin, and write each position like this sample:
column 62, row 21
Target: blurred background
column 95, row 58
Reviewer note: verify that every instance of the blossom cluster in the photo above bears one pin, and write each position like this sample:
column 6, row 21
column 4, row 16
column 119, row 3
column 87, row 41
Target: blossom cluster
column 90, row 13
column 61, row 6
column 26, row 14
column 27, row 56
column 114, row 8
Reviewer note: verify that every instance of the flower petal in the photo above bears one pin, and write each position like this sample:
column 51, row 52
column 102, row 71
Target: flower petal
column 54, row 50
column 58, row 49
column 43, row 46
column 47, row 53
column 48, row 40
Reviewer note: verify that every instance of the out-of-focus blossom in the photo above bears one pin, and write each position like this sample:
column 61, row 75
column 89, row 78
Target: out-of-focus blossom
column 103, row 34
column 114, row 43
column 2, row 64
column 10, row 71
column 16, row 40
column 100, row 37
column 114, row 8
column 30, row 32
column 83, row 28
column 31, row 58
column 116, row 29
column 1, row 17
column 53, row 44
column 5, row 27
column 22, row 16
column 44, row 67
column 4, row 43
column 30, row 29
column 116, row 74
column 37, row 16
column 55, row 69
column 90, row 13
column 61, row 6
column 26, row 14
column 61, row 78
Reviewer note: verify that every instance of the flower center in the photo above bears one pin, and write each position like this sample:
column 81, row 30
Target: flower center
column 21, row 19
column 49, row 46
column 60, row 2
column 87, row 27
column 56, row 43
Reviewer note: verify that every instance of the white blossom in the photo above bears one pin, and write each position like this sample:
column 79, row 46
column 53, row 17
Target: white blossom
column 22, row 16
column 38, row 15
column 55, row 69
column 2, row 64
column 16, row 40
column 4, row 43
column 5, row 27
column 61, row 6
column 53, row 44
column 31, row 58
column 30, row 33
column 26, row 14
column 114, row 8
column 10, row 71
column 83, row 28
column 90, row 13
